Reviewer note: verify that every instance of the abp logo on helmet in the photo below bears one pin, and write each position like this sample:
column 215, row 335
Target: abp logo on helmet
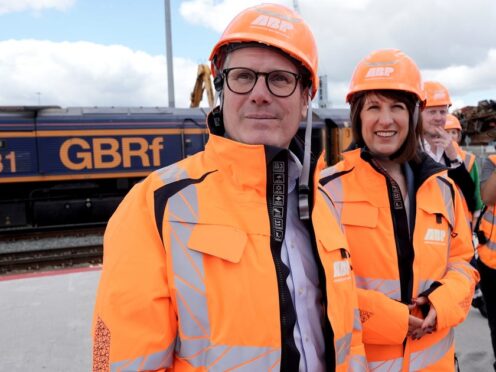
column 439, row 94
column 379, row 72
column 272, row 22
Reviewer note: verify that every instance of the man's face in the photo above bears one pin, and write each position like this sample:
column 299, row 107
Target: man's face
column 434, row 118
column 259, row 117
column 455, row 134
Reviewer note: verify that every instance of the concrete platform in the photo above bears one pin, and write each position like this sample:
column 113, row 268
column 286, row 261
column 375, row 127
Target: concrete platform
column 45, row 321
column 45, row 325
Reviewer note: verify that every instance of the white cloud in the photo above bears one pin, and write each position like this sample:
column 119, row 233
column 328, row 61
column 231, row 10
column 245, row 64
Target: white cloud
column 453, row 40
column 215, row 14
column 88, row 74
column 10, row 6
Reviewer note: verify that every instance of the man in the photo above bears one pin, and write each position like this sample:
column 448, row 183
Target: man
column 454, row 129
column 439, row 144
column 207, row 264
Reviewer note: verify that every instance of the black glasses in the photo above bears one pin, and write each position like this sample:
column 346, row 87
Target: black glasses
column 242, row 80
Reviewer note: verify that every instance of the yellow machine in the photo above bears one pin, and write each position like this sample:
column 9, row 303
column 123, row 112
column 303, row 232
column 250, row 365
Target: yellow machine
column 203, row 82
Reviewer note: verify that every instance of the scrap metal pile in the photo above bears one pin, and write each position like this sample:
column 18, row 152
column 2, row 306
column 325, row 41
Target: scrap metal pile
column 478, row 123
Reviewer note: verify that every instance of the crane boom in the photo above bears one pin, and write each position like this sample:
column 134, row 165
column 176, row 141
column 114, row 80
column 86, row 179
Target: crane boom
column 203, row 82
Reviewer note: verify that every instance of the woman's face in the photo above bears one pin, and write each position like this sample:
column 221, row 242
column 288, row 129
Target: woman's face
column 384, row 124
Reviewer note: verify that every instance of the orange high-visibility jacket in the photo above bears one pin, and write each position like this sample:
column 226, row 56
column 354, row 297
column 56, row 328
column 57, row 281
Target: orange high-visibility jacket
column 487, row 251
column 434, row 261
column 192, row 274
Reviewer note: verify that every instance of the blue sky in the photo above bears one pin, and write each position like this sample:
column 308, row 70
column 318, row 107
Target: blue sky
column 112, row 52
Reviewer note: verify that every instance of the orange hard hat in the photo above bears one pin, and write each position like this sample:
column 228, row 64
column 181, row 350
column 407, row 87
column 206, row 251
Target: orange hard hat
column 436, row 94
column 452, row 122
column 276, row 26
column 386, row 69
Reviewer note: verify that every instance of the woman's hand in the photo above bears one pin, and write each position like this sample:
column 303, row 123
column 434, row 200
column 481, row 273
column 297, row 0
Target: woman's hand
column 427, row 325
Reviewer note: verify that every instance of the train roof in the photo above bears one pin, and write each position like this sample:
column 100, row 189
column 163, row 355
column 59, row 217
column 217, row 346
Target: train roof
column 334, row 116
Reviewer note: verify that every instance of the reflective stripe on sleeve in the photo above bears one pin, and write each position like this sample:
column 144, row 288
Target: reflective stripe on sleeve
column 389, row 287
column 430, row 355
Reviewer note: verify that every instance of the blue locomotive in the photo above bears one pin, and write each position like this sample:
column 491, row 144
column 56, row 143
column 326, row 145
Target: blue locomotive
column 73, row 165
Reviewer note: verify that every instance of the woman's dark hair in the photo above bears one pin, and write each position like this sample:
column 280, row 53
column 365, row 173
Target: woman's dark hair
column 409, row 150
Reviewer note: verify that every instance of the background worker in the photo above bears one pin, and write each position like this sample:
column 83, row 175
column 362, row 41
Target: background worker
column 486, row 262
column 439, row 145
column 409, row 240
column 207, row 263
column 454, row 129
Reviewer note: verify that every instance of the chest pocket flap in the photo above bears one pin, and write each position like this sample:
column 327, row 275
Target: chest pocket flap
column 359, row 214
column 221, row 241
column 438, row 210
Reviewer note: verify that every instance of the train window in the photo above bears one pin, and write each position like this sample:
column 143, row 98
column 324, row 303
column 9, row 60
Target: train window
column 3, row 144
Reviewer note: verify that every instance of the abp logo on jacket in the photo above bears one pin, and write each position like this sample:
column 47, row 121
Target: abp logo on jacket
column 435, row 236
column 341, row 270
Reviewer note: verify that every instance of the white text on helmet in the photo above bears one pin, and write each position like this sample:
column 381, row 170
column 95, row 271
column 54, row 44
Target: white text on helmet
column 379, row 71
column 439, row 95
column 272, row 22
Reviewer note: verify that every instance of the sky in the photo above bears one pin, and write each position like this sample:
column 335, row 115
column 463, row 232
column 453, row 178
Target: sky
column 112, row 52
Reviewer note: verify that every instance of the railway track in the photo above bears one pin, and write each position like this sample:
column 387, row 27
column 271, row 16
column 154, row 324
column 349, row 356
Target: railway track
column 50, row 249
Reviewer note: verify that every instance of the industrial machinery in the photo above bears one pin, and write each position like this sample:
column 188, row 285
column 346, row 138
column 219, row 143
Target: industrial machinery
column 203, row 82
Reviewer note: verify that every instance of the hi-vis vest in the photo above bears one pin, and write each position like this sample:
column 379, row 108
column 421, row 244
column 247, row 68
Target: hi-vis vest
column 369, row 208
column 192, row 274
column 487, row 251
column 467, row 157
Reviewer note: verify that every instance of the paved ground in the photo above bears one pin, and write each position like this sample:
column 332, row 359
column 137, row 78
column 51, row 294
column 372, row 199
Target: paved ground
column 45, row 325
column 473, row 344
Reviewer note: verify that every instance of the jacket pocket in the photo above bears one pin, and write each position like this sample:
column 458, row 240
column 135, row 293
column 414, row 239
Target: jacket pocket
column 359, row 214
column 438, row 215
column 225, row 242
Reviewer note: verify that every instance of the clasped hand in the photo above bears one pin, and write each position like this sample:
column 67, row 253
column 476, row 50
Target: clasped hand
column 418, row 327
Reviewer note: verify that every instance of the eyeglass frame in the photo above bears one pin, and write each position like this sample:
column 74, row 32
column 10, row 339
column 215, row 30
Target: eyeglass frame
column 297, row 77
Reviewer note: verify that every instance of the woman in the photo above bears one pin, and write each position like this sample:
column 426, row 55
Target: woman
column 409, row 240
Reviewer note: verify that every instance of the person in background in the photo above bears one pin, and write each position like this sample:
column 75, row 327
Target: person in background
column 439, row 145
column 454, row 129
column 486, row 261
column 232, row 259
column 403, row 218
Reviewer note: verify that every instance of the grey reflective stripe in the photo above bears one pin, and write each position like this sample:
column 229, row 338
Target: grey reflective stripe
column 392, row 365
column 488, row 219
column 488, row 216
column 332, row 208
column 357, row 363
column 389, row 287
column 467, row 160
column 461, row 267
column 448, row 200
column 430, row 355
column 334, row 188
column 171, row 173
column 491, row 245
column 126, row 365
column 194, row 343
column 357, row 324
column 343, row 346
column 152, row 362
column 425, row 285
